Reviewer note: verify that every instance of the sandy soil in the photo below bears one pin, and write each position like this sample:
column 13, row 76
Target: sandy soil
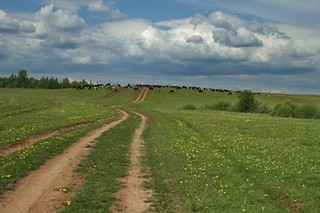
column 39, row 191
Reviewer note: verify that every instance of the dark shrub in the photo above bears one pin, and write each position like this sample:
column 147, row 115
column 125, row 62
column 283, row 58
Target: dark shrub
column 221, row 105
column 306, row 111
column 263, row 108
column 285, row 109
column 234, row 107
column 317, row 115
column 189, row 107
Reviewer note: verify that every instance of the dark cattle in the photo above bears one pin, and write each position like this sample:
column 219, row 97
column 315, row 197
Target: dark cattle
column 80, row 87
column 200, row 90
column 171, row 91
column 99, row 85
column 136, row 88
column 229, row 93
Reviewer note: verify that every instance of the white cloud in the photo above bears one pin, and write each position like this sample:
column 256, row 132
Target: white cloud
column 100, row 7
column 12, row 25
column 219, row 44
column 71, row 5
column 294, row 12
column 59, row 19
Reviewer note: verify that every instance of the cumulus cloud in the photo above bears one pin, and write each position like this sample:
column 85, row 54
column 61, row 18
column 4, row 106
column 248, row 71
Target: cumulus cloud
column 59, row 19
column 219, row 44
column 12, row 25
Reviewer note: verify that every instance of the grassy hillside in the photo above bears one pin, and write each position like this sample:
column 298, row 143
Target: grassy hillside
column 201, row 160
column 213, row 161
column 178, row 99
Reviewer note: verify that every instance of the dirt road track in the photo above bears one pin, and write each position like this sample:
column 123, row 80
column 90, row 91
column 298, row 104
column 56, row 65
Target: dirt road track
column 10, row 148
column 142, row 95
column 132, row 198
column 38, row 191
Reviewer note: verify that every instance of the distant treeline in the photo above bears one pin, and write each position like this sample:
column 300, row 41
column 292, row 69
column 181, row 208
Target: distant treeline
column 23, row 81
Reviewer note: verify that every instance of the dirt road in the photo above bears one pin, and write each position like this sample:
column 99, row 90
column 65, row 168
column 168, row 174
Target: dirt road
column 142, row 95
column 132, row 198
column 39, row 191
column 11, row 148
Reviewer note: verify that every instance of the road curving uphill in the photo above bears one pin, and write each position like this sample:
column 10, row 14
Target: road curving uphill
column 142, row 95
column 41, row 190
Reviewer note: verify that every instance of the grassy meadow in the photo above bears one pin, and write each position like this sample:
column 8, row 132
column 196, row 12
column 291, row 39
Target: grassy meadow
column 216, row 161
column 201, row 160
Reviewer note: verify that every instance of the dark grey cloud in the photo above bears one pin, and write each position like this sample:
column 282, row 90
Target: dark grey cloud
column 265, row 29
column 195, row 39
column 63, row 42
column 239, row 38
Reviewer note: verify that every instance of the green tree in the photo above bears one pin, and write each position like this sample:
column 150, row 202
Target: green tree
column 53, row 83
column 246, row 102
column 23, row 78
column 65, row 83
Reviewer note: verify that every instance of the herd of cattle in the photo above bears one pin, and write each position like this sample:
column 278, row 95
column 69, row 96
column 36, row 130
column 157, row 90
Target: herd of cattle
column 157, row 88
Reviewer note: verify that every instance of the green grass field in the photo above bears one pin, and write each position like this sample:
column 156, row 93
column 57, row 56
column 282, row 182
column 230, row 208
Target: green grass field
column 201, row 160
column 213, row 161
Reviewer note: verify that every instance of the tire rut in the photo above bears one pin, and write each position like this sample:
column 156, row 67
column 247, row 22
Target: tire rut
column 11, row 148
column 38, row 192
column 142, row 95
column 132, row 198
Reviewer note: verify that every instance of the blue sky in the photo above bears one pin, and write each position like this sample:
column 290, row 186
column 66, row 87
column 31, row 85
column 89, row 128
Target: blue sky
column 251, row 44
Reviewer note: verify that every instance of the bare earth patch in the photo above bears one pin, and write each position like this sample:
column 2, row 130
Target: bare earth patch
column 42, row 190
